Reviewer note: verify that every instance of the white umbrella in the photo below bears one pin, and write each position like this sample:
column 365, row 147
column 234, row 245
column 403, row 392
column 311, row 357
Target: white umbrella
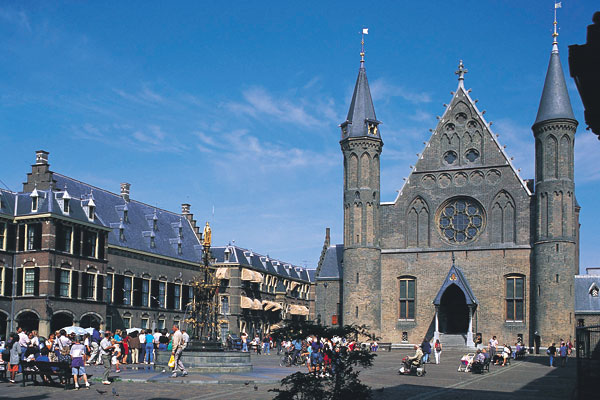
column 133, row 330
column 90, row 331
column 75, row 329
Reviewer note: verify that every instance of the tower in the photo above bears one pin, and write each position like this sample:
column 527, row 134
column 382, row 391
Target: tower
column 555, row 244
column 361, row 146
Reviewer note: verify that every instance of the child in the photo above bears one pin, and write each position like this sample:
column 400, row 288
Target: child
column 116, row 354
column 78, row 363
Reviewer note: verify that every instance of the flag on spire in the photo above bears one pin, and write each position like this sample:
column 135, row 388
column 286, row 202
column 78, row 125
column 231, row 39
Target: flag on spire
column 558, row 5
column 365, row 31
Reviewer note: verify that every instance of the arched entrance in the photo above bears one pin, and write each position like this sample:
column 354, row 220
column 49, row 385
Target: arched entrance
column 28, row 320
column 60, row 320
column 453, row 311
column 90, row 321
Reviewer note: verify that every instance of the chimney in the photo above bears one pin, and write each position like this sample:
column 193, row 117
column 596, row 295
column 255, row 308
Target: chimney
column 185, row 208
column 327, row 237
column 41, row 157
column 125, row 190
column 185, row 211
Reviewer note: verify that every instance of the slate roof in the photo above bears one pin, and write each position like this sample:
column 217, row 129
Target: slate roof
column 331, row 267
column 261, row 263
column 555, row 102
column 361, row 108
column 459, row 281
column 7, row 202
column 584, row 302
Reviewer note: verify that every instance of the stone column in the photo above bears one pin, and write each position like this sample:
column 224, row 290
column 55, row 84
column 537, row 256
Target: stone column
column 44, row 328
column 436, row 334
column 470, row 331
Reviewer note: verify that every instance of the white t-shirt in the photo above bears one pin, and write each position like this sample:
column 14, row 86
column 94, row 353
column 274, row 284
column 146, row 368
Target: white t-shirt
column 142, row 337
column 77, row 350
column 23, row 339
column 157, row 336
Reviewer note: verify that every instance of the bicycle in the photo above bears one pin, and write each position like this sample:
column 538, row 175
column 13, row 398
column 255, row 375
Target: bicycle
column 286, row 360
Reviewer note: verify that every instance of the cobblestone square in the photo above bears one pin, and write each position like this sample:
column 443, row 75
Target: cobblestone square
column 529, row 379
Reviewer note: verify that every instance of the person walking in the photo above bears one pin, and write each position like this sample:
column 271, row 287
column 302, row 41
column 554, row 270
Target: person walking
column 426, row 347
column 78, row 363
column 95, row 346
column 244, row 342
column 142, row 339
column 551, row 353
column 563, row 352
column 438, row 351
column 15, row 356
column 105, row 353
column 178, row 346
column 266, row 345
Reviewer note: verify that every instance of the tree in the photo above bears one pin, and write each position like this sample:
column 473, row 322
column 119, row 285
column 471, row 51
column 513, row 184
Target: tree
column 343, row 382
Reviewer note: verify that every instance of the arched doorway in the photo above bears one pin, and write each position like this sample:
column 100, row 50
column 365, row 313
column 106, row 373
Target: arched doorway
column 28, row 320
column 454, row 312
column 3, row 325
column 60, row 320
column 90, row 321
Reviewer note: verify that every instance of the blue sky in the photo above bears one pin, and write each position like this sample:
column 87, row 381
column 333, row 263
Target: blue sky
column 236, row 106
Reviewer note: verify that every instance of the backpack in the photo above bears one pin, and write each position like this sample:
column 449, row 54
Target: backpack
column 6, row 355
column 548, row 351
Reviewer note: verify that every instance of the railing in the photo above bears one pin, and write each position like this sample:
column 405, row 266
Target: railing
column 588, row 360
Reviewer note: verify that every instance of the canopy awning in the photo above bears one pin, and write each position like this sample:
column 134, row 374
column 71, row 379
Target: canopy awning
column 293, row 285
column 298, row 310
column 257, row 304
column 223, row 273
column 245, row 302
column 271, row 305
column 252, row 276
column 456, row 277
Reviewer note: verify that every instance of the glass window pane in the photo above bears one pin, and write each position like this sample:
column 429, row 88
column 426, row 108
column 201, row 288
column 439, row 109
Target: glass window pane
column 519, row 288
column 411, row 309
column 402, row 289
column 519, row 310
column 510, row 310
column 411, row 289
column 29, row 281
column 403, row 309
column 510, row 288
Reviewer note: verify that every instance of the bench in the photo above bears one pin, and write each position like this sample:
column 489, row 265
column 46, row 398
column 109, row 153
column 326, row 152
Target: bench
column 385, row 346
column 62, row 370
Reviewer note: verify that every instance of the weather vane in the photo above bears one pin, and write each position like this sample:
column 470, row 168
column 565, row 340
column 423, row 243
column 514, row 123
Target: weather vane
column 557, row 5
column 365, row 31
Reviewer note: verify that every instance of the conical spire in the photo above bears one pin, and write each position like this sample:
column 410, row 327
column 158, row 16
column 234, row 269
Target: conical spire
column 361, row 120
column 555, row 102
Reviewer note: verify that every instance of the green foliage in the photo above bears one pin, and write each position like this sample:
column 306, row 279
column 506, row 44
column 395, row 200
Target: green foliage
column 344, row 383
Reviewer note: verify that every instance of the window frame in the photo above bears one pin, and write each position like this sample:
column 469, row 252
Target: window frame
column 127, row 322
column 2, row 278
column 3, row 233
column 93, row 287
column 161, row 323
column 61, row 283
column 127, row 294
column 162, row 299
column 177, row 296
column 147, row 294
column 110, row 277
column 403, row 302
column 221, row 310
column 32, row 282
column 514, row 299
column 145, row 325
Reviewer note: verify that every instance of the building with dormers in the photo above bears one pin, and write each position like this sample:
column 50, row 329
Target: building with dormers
column 258, row 294
column 75, row 254
column 468, row 246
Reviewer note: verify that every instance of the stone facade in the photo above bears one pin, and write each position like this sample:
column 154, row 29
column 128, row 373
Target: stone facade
column 467, row 247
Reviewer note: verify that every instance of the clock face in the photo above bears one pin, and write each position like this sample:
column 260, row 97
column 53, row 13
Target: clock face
column 460, row 220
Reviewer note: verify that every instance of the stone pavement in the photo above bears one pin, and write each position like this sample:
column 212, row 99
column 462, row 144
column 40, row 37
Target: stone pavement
column 529, row 379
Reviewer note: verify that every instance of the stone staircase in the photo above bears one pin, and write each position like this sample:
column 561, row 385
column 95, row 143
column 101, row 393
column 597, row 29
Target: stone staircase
column 455, row 341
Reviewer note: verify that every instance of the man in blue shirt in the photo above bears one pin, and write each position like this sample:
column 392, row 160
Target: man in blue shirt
column 95, row 345
column 297, row 349
column 563, row 351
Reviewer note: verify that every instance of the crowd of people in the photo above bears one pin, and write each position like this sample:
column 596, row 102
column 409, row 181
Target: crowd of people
column 110, row 349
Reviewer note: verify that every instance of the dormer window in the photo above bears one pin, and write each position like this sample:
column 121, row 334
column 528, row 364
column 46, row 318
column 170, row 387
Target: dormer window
column 179, row 248
column 66, row 205
column 91, row 212
column 125, row 217
column 227, row 254
column 152, row 240
column 121, row 234
column 34, row 200
column 594, row 290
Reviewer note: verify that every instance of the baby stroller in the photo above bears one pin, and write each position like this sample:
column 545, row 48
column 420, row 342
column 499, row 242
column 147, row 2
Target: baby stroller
column 466, row 362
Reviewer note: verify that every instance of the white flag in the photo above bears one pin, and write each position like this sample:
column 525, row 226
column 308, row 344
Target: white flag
column 365, row 31
column 558, row 5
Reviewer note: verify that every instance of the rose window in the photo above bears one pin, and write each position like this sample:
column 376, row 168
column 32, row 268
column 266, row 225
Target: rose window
column 460, row 220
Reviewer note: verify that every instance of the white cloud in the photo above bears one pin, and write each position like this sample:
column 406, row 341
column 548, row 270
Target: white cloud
column 381, row 89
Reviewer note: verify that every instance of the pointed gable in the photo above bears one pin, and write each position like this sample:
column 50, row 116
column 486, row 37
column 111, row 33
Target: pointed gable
column 456, row 277
column 462, row 140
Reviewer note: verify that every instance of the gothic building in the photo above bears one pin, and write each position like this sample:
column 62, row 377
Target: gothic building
column 467, row 247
